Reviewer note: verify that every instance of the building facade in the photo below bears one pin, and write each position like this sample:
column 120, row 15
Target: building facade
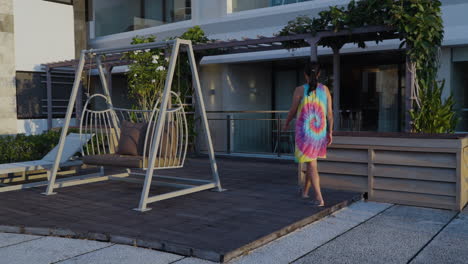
column 373, row 79
column 32, row 32
column 372, row 87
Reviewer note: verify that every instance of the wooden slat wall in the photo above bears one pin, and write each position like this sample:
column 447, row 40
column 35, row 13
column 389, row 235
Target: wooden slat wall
column 423, row 173
column 463, row 161
column 416, row 178
column 421, row 159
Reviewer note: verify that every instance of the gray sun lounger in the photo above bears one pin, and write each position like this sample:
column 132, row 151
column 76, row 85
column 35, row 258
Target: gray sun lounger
column 73, row 144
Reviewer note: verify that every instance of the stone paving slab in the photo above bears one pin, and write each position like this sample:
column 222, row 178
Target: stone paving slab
column 394, row 236
column 47, row 250
column 13, row 239
column 120, row 254
column 300, row 242
column 450, row 245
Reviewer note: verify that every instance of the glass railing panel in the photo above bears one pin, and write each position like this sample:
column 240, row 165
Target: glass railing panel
column 117, row 16
column 250, row 132
column 242, row 5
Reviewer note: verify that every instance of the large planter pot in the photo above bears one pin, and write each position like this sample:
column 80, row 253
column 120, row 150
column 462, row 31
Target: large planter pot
column 410, row 169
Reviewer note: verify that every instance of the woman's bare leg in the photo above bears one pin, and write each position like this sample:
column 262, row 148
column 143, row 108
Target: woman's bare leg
column 307, row 182
column 313, row 175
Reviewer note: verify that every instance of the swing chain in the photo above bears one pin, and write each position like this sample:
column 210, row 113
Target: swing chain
column 88, row 84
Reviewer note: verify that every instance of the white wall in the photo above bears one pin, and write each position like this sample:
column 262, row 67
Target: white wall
column 248, row 87
column 237, row 87
column 213, row 79
column 245, row 86
column 445, row 70
column 44, row 32
column 38, row 126
column 208, row 9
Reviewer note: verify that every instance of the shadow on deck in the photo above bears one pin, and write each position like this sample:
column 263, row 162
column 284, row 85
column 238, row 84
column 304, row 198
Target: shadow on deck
column 261, row 204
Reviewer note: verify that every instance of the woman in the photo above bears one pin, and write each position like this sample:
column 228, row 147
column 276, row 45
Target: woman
column 312, row 107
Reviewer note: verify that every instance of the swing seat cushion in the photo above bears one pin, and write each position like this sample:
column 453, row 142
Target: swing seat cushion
column 126, row 161
column 132, row 138
column 114, row 160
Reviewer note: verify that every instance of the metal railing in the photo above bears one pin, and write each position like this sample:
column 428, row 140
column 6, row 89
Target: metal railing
column 260, row 132
column 257, row 132
column 59, row 107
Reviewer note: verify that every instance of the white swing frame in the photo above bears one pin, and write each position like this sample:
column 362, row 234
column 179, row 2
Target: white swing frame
column 145, row 199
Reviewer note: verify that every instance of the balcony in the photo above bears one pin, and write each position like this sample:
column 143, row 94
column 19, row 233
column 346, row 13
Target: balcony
column 112, row 17
column 242, row 5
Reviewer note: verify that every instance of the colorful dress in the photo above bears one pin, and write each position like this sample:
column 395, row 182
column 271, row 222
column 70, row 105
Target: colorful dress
column 311, row 125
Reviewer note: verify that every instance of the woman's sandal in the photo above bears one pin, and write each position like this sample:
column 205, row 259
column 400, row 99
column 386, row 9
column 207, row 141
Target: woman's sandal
column 318, row 203
column 301, row 193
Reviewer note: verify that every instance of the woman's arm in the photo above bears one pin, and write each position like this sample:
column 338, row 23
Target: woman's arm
column 329, row 117
column 297, row 97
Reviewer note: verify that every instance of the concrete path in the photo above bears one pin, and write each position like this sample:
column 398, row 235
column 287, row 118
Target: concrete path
column 394, row 236
column 365, row 232
column 450, row 245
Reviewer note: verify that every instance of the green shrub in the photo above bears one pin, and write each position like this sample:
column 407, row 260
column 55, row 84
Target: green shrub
column 434, row 115
column 23, row 148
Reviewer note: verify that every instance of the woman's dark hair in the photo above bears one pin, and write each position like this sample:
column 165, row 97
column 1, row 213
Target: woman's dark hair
column 312, row 70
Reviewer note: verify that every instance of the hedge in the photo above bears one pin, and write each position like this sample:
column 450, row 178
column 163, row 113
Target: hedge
column 23, row 148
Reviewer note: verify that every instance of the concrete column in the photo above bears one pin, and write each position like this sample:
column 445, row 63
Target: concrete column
column 8, row 117
column 81, row 33
column 209, row 9
column 336, row 87
column 408, row 96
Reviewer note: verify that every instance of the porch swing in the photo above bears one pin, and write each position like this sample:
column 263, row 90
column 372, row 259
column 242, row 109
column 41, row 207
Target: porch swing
column 128, row 143
column 145, row 140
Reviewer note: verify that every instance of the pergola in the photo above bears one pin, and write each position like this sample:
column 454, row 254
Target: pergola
column 333, row 39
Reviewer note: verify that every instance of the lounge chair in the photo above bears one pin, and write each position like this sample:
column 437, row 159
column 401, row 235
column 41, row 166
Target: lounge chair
column 73, row 144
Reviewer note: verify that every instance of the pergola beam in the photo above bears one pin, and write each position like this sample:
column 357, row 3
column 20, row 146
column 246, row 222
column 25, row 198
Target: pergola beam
column 409, row 86
column 336, row 87
column 271, row 43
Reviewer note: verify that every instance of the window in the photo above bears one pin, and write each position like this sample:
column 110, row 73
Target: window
column 68, row 2
column 242, row 5
column 459, row 87
column 118, row 16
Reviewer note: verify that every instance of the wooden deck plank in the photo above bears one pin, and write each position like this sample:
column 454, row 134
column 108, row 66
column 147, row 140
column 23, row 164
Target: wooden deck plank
column 261, row 204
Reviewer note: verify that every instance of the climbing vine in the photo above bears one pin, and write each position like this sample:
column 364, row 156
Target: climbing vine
column 420, row 28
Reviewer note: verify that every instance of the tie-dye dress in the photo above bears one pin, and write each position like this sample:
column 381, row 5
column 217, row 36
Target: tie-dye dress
column 311, row 125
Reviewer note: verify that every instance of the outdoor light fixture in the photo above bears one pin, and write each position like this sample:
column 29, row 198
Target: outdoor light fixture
column 252, row 86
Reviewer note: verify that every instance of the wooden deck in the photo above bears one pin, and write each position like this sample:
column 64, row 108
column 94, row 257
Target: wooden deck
column 260, row 205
